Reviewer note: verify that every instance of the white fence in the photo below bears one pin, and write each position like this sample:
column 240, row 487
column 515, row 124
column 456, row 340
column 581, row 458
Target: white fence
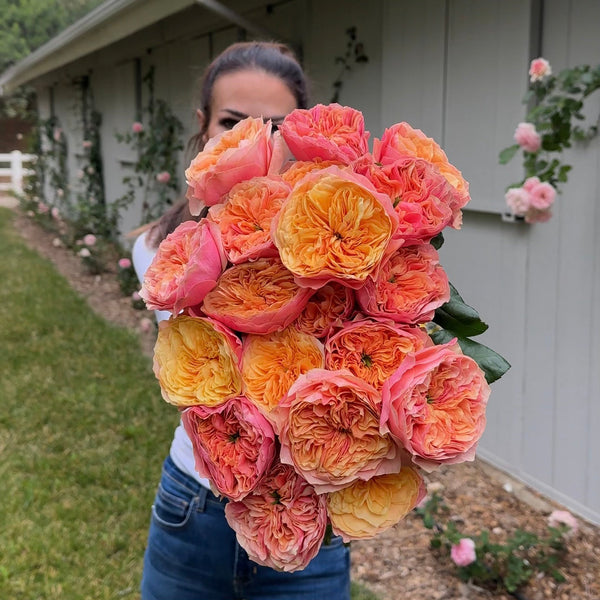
column 15, row 171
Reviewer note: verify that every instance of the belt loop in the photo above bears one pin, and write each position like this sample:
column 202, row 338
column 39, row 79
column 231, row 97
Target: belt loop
column 200, row 499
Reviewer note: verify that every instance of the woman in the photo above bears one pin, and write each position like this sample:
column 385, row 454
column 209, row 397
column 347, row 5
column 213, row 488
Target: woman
column 192, row 553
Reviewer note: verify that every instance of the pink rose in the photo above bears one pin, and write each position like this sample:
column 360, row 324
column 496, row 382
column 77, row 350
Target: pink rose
column 86, row 144
column 463, row 553
column 539, row 69
column 124, row 263
column 233, row 443
column 408, row 287
column 538, row 216
column 527, row 137
column 135, row 296
column 331, row 132
column 530, row 183
column 243, row 152
column 517, row 199
column 563, row 517
column 281, row 524
column 163, row 177
column 542, row 196
column 328, row 427
column 84, row 253
column 434, row 405
column 89, row 239
column 186, row 267
column 55, row 212
column 42, row 208
column 57, row 134
column 137, row 127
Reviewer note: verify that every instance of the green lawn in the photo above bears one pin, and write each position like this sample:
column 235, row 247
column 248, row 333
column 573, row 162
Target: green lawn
column 83, row 431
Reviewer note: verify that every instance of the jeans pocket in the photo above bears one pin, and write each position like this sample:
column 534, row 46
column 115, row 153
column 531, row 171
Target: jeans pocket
column 171, row 511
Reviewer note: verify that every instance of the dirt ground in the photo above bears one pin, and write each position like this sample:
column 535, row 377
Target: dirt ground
column 399, row 563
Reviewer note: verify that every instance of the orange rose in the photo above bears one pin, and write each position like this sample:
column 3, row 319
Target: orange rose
column 402, row 140
column 294, row 171
column 196, row 361
column 245, row 218
column 256, row 297
column 373, row 350
column 328, row 426
column 367, row 508
column 334, row 226
column 408, row 288
column 327, row 308
column 272, row 362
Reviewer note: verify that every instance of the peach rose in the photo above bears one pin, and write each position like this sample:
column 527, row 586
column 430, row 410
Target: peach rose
column 527, row 137
column 186, row 266
column 328, row 132
column 233, row 443
column 257, row 297
column 328, row 427
column 402, row 140
column 334, row 226
column 366, row 508
column 371, row 349
column 434, row 405
column 424, row 201
column 244, row 220
column 538, row 69
column 408, row 288
column 243, row 152
column 196, row 361
column 294, row 171
column 326, row 309
column 272, row 362
column 281, row 524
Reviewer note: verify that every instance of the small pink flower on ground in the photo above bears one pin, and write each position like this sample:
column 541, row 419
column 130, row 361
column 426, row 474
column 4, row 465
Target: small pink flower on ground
column 163, row 177
column 137, row 127
column 84, row 253
column 539, row 69
column 563, row 517
column 89, row 239
column 542, row 196
column 527, row 137
column 463, row 553
column 124, row 263
column 55, row 212
column 86, row 144
column 136, row 296
column 145, row 325
column 518, row 200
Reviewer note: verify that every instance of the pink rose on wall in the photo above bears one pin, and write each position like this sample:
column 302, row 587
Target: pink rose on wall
column 163, row 177
column 124, row 263
column 517, row 199
column 527, row 137
column 539, row 69
column 89, row 239
column 463, row 553
column 542, row 196
column 137, row 127
column 86, row 144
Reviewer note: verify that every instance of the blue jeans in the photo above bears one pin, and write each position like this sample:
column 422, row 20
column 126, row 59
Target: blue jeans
column 192, row 554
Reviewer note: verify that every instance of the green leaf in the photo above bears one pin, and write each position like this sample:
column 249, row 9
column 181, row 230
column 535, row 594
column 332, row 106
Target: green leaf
column 458, row 317
column 438, row 241
column 508, row 153
column 490, row 362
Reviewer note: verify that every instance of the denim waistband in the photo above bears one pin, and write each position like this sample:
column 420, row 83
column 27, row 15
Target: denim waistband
column 192, row 486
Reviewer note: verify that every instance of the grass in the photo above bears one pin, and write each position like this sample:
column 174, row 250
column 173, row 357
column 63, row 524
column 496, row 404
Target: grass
column 83, row 431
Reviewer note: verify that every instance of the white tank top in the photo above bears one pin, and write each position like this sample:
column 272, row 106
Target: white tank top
column 181, row 451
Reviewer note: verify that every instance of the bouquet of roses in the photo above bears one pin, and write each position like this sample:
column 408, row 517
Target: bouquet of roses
column 318, row 353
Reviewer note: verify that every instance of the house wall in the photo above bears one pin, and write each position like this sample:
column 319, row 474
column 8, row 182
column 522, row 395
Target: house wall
column 456, row 69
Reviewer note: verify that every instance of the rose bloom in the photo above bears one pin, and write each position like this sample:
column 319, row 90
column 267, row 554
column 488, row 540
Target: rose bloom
column 538, row 216
column 281, row 524
column 424, row 201
column 124, row 263
column 84, row 253
column 463, row 553
column 86, row 144
column 366, row 508
column 334, row 226
column 256, row 297
column 245, row 218
column 563, row 517
column 294, row 171
column 329, row 132
column 243, row 152
column 233, row 443
column 527, row 137
column 402, row 140
column 137, row 127
column 372, row 350
column 518, row 200
column 408, row 288
column 328, row 427
column 89, row 239
column 196, row 361
column 542, row 196
column 530, row 183
column 539, row 69
column 163, row 177
column 185, row 268
column 434, row 405
column 326, row 309
column 272, row 362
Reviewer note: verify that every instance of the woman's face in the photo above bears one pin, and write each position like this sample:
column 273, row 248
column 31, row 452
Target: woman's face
column 249, row 93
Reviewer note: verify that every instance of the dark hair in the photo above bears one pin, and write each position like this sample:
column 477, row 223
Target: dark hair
column 270, row 57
